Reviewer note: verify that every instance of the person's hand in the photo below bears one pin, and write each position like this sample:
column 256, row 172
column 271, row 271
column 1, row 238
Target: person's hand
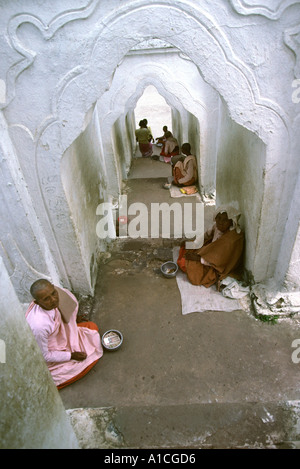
column 78, row 356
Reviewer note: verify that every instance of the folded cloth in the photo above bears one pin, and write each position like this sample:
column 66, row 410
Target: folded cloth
column 189, row 190
column 233, row 288
column 175, row 192
column 167, row 159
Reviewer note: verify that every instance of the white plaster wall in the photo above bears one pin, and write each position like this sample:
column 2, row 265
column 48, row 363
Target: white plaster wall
column 32, row 413
column 84, row 180
column 247, row 52
column 288, row 266
column 130, row 127
column 194, row 138
column 120, row 147
column 293, row 272
column 23, row 245
column 177, row 125
column 240, row 164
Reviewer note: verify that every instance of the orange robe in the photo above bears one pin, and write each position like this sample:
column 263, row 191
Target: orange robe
column 224, row 256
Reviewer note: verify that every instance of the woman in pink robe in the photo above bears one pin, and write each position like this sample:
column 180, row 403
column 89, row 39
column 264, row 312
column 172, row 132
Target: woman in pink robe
column 69, row 349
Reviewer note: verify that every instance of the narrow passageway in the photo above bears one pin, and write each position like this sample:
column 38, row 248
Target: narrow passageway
column 176, row 375
column 174, row 367
column 222, row 77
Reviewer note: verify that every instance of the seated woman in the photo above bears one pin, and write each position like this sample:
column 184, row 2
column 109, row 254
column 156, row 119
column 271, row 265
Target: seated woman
column 170, row 147
column 162, row 139
column 143, row 137
column 221, row 253
column 185, row 170
column 70, row 349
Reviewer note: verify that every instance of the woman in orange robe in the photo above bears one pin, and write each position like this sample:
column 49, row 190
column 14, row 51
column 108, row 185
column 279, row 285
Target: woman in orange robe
column 221, row 254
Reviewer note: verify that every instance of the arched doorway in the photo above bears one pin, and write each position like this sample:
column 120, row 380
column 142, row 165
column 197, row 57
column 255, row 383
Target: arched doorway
column 211, row 52
column 153, row 106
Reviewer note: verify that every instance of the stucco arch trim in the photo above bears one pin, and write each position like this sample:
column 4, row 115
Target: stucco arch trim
column 273, row 13
column 123, row 96
column 207, row 46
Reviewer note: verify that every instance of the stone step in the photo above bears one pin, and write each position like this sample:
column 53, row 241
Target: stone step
column 199, row 426
column 144, row 250
column 146, row 245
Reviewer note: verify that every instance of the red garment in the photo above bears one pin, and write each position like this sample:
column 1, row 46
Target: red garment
column 169, row 144
column 173, row 153
column 181, row 259
column 178, row 175
column 146, row 149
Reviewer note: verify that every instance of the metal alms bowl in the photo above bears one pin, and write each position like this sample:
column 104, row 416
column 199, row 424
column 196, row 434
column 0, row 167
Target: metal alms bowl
column 169, row 269
column 112, row 340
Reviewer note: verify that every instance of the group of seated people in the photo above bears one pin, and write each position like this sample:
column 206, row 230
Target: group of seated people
column 144, row 138
column 184, row 164
column 70, row 346
column 221, row 253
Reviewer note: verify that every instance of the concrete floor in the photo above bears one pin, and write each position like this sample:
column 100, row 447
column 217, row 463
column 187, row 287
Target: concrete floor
column 204, row 380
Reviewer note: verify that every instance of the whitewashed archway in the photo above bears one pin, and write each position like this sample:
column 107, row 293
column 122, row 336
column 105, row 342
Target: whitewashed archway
column 124, row 94
column 197, row 35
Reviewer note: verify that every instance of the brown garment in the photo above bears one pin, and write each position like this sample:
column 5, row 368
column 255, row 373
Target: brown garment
column 224, row 256
column 178, row 175
column 188, row 171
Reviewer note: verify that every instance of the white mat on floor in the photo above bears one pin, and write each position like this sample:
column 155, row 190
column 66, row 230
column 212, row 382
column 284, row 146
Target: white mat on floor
column 175, row 192
column 197, row 299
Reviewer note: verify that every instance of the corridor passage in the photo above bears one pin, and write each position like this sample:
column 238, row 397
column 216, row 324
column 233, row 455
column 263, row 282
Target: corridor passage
column 178, row 375
column 77, row 81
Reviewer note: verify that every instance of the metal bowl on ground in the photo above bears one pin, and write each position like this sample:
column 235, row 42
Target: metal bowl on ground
column 169, row 269
column 112, row 340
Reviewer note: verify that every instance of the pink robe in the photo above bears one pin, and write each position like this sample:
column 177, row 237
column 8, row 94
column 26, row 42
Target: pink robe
column 57, row 340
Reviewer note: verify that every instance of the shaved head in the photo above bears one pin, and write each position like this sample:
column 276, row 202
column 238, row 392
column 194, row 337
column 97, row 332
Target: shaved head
column 45, row 294
column 39, row 285
column 186, row 148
